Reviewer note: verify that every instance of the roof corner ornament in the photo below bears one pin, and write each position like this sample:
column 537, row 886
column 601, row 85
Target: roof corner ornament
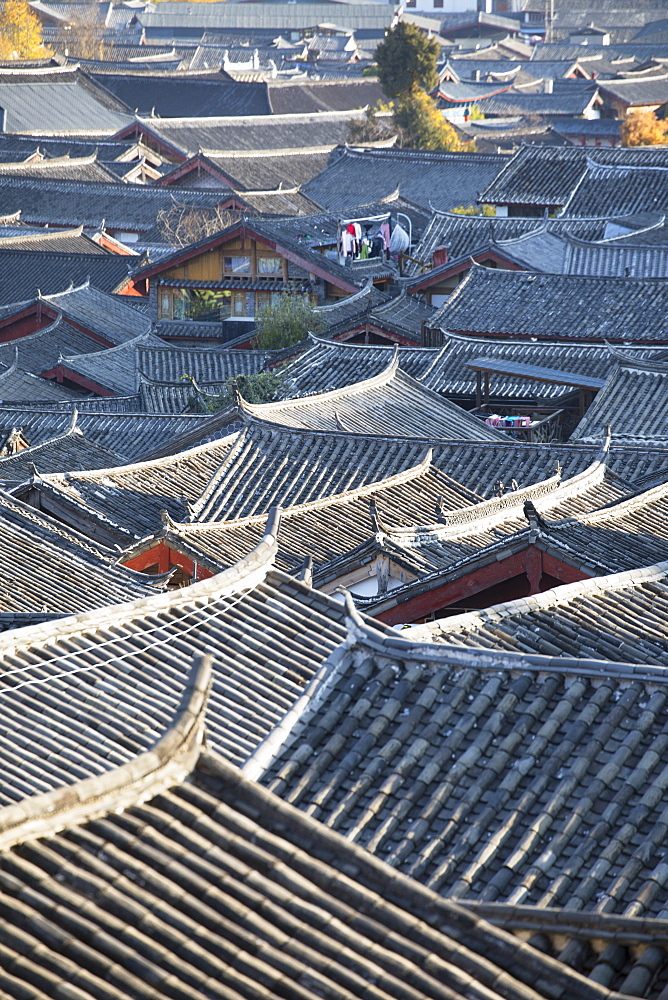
column 499, row 487
column 166, row 520
column 238, row 398
column 536, row 521
column 441, row 511
column 306, row 571
column 34, row 474
column 376, row 521
column 558, row 469
column 73, row 421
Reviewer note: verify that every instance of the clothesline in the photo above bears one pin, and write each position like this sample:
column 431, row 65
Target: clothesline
column 368, row 218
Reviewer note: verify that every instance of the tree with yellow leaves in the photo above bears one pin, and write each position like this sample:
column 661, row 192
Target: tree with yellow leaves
column 643, row 128
column 20, row 31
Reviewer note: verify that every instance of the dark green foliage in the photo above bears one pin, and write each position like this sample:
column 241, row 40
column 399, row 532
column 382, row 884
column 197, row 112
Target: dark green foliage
column 287, row 322
column 262, row 387
column 406, row 59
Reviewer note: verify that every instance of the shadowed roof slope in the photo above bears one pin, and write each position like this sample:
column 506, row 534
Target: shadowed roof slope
column 176, row 877
column 47, row 567
column 491, row 776
column 429, row 179
column 633, row 402
column 557, row 306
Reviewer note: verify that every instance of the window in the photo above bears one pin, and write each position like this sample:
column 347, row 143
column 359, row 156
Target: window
column 264, row 299
column 438, row 3
column 236, row 265
column 238, row 304
column 204, row 304
column 165, row 305
column 269, row 265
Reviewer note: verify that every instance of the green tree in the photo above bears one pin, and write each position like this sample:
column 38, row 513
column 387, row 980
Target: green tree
column 20, row 31
column 287, row 322
column 406, row 59
column 262, row 387
column 421, row 125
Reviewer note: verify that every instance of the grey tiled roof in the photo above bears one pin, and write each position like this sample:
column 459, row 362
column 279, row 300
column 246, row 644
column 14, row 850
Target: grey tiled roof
column 25, row 272
column 633, row 402
column 81, row 169
column 265, row 17
column 404, row 314
column 555, row 252
column 39, row 352
column 19, row 147
column 317, row 95
column 177, row 397
column 390, row 403
column 130, row 435
column 553, row 104
column 323, row 529
column 169, row 364
column 653, row 90
column 617, row 189
column 482, row 466
column 252, row 171
column 329, row 364
column 429, row 179
column 60, row 102
column 548, row 175
column 593, row 540
column 491, row 777
column 271, row 466
column 131, row 686
column 179, row 95
column 271, row 132
column 520, row 304
column 49, row 568
column 123, row 503
column 463, row 234
column 71, row 451
column 451, row 375
column 260, row 900
column 606, row 618
column 115, row 369
column 470, row 539
column 132, row 207
column 111, row 316
column 618, row 259
column 58, row 241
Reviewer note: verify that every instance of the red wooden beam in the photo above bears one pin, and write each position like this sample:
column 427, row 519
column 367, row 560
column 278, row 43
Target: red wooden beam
column 531, row 561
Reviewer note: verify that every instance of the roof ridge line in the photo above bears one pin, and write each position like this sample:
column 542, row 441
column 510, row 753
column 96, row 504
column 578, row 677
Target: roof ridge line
column 107, row 350
column 621, row 506
column 497, row 509
column 56, row 477
column 555, row 597
column 382, row 378
column 170, row 760
column 488, row 512
column 245, row 574
column 322, row 503
column 362, row 634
